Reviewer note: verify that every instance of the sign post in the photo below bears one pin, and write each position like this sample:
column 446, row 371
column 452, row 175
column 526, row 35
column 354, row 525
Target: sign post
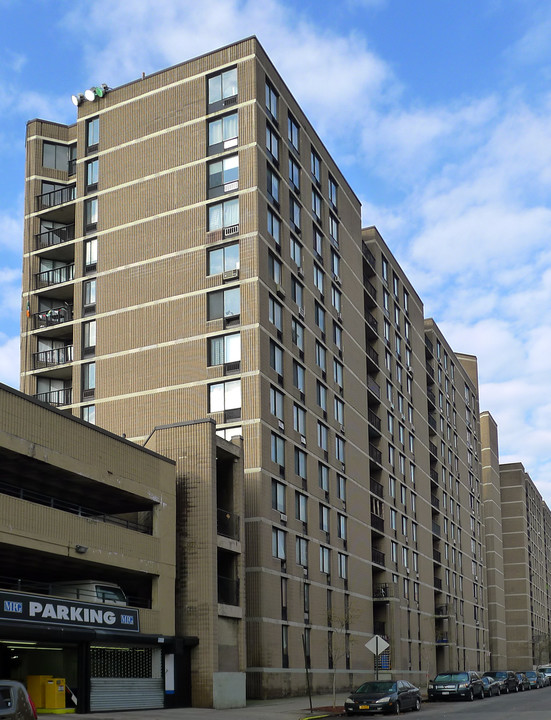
column 377, row 645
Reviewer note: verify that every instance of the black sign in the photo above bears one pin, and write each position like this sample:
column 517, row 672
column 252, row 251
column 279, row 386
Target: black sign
column 55, row 611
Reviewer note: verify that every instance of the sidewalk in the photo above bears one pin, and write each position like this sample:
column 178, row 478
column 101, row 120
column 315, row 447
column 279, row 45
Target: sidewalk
column 294, row 708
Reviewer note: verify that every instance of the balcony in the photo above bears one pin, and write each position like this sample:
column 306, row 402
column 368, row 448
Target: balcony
column 430, row 371
column 56, row 197
column 372, row 359
column 432, row 423
column 368, row 255
column 52, row 317
column 435, row 502
column 433, row 449
column 56, row 276
column 375, row 454
column 432, row 399
column 434, row 476
column 437, row 583
column 442, row 639
column 429, row 349
column 436, row 555
column 377, row 523
column 376, row 488
column 227, row 524
column 373, row 387
column 374, row 424
column 436, row 530
column 372, row 327
column 377, row 557
column 53, row 357
column 56, row 397
column 228, row 591
column 56, row 236
column 382, row 591
column 370, row 294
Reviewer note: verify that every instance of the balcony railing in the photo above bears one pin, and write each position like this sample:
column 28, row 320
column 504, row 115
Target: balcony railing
column 53, row 316
column 370, row 289
column 62, row 274
column 228, row 591
column 436, row 529
column 432, row 422
column 55, row 236
column 373, row 355
column 429, row 345
column 381, row 591
column 372, row 322
column 436, row 555
column 56, row 197
column 435, row 502
column 375, row 454
column 376, row 488
column 434, row 475
column 55, row 356
column 438, row 583
column 368, row 255
column 433, row 448
column 378, row 557
column 377, row 523
column 373, row 387
column 227, row 524
column 56, row 397
column 374, row 419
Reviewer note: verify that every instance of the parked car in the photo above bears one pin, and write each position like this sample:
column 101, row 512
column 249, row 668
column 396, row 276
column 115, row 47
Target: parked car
column 491, row 686
column 507, row 679
column 383, row 696
column 466, row 684
column 536, row 679
column 546, row 671
column 15, row 701
column 523, row 682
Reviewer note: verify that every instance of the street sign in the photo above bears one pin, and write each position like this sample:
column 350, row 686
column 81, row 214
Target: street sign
column 377, row 645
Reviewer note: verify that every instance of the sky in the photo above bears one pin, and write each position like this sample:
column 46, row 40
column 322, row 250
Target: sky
column 438, row 112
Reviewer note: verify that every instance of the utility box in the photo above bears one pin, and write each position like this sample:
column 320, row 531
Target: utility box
column 36, row 686
column 54, row 693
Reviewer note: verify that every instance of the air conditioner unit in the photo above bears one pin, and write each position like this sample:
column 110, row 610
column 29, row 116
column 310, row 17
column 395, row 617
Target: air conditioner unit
column 301, row 312
column 303, row 439
column 337, row 279
column 280, row 290
column 281, row 425
column 283, row 517
column 339, row 317
column 342, row 429
column 300, row 272
column 230, row 274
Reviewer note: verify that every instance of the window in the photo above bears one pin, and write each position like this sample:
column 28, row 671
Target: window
column 278, row 496
column 274, row 226
column 324, row 518
column 88, row 379
column 323, row 435
column 325, row 560
column 321, row 395
column 89, row 337
column 323, row 477
column 301, row 503
column 278, row 543
column 337, row 335
column 393, row 516
column 277, row 449
column 223, row 215
column 302, row 552
column 271, row 100
column 294, row 173
column 338, row 405
column 299, row 419
column 316, row 204
column 343, row 565
column 300, row 463
column 223, row 132
column 273, row 187
column 318, row 244
column 341, row 487
column 92, row 169
column 335, row 263
column 298, row 376
column 224, row 349
column 88, row 414
column 332, row 190
column 223, row 259
column 55, row 156
column 339, row 449
column 89, row 294
column 91, row 213
column 90, row 255
column 296, row 251
column 341, row 526
column 333, row 229
column 222, row 86
column 276, row 358
column 294, row 213
column 293, row 132
column 320, row 354
column 297, row 292
column 275, row 313
column 315, row 165
column 225, row 396
column 394, row 551
column 272, row 142
column 223, row 175
column 297, row 333
column 92, row 133
column 319, row 316
column 338, row 370
column 276, row 403
column 336, row 298
column 223, row 304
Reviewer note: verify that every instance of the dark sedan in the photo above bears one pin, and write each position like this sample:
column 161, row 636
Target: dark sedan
column 523, row 682
column 491, row 686
column 383, row 696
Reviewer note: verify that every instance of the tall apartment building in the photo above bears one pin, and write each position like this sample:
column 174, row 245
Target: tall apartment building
column 192, row 250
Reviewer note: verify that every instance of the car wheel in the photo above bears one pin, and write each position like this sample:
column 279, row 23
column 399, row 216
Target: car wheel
column 397, row 708
column 470, row 695
column 417, row 704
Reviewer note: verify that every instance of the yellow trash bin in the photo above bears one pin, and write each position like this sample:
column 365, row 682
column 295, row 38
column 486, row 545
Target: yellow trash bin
column 54, row 693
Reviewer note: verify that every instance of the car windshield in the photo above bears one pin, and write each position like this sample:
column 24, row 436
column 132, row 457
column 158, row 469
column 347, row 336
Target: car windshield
column 384, row 686
column 499, row 674
column 530, row 673
column 452, row 677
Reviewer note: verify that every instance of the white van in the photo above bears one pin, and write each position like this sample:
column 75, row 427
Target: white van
column 91, row 591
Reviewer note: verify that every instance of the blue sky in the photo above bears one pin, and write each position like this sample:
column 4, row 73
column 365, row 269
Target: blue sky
column 437, row 111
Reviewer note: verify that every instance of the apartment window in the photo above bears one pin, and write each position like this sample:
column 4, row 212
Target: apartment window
column 339, row 448
column 338, row 405
column 278, row 496
column 391, row 454
column 320, row 354
column 318, row 244
column 276, row 358
column 393, row 516
column 298, row 376
column 294, row 213
column 275, row 313
column 323, row 435
column 88, row 380
column 223, row 259
column 222, row 87
column 319, row 316
column 90, row 255
column 272, row 142
column 343, row 565
column 88, row 337
column 338, row 371
column 285, row 646
column 92, row 133
column 55, row 156
column 223, row 215
column 294, row 173
column 341, row 526
column 92, row 170
column 224, row 349
column 299, row 419
column 336, row 298
column 323, row 477
column 325, row 560
column 278, row 543
column 271, row 100
column 315, row 165
column 88, row 413
column 394, row 551
column 90, row 214
column 384, row 269
column 89, row 296
column 273, row 187
column 316, row 204
column 297, row 291
column 274, row 226
column 337, row 335
column 276, row 403
column 300, row 463
column 332, row 191
column 275, row 268
column 223, row 304
column 324, row 518
column 225, row 396
column 335, row 263
column 321, row 395
column 301, row 504
column 318, row 278
column 297, row 334
column 392, row 487
column 223, row 175
column 277, row 444
column 334, row 229
column 341, row 487
column 223, row 133
column 404, row 526
column 293, row 132
column 296, row 251
column 302, row 552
